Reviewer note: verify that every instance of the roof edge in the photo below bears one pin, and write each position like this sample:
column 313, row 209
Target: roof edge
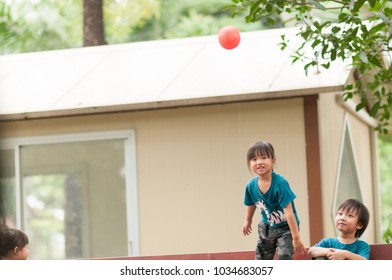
column 167, row 104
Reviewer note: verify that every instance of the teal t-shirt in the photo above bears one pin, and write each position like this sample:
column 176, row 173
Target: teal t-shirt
column 358, row 247
column 271, row 204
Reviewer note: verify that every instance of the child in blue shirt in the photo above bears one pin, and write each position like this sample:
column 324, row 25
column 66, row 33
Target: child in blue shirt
column 351, row 221
column 271, row 194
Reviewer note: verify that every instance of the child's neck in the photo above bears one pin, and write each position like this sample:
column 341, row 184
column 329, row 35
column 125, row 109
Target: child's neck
column 347, row 238
column 264, row 183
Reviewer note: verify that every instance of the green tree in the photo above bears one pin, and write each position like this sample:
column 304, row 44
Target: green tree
column 125, row 18
column 44, row 25
column 202, row 17
column 5, row 19
column 167, row 19
column 360, row 32
column 40, row 25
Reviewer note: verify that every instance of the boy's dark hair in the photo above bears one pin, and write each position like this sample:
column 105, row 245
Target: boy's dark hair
column 11, row 238
column 362, row 212
column 260, row 148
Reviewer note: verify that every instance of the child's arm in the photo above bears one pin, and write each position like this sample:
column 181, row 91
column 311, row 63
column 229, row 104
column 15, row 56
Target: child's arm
column 247, row 227
column 333, row 254
column 292, row 222
column 316, row 252
column 336, row 254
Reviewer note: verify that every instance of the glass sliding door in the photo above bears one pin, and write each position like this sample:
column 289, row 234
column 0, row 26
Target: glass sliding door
column 74, row 197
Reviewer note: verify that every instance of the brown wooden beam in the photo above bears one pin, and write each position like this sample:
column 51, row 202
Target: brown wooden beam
column 313, row 169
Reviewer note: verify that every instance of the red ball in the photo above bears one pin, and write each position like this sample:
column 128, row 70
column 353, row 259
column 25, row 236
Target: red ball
column 229, row 37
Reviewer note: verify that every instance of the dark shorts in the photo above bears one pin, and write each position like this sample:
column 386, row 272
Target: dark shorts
column 274, row 239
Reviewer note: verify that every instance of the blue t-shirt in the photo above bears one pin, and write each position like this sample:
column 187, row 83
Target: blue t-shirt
column 271, row 204
column 358, row 247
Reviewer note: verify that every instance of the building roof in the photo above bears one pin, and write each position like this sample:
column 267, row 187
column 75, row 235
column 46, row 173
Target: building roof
column 157, row 74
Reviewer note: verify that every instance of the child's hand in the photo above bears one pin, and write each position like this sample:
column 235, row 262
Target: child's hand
column 247, row 228
column 335, row 254
column 299, row 247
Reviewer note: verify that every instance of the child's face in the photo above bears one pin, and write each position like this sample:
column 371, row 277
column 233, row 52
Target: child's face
column 24, row 253
column 261, row 164
column 346, row 221
column 21, row 254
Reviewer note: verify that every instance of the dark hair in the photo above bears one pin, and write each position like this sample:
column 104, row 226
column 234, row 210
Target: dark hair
column 362, row 212
column 260, row 148
column 11, row 238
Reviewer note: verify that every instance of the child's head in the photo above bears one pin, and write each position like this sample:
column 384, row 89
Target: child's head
column 13, row 244
column 357, row 207
column 261, row 148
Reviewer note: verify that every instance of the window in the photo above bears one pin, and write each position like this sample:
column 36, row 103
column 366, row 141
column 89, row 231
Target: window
column 348, row 183
column 74, row 195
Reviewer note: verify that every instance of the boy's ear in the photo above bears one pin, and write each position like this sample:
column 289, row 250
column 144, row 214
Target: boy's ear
column 16, row 250
column 359, row 226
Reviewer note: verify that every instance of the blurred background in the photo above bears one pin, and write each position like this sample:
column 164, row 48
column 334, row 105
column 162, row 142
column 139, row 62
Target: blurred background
column 40, row 25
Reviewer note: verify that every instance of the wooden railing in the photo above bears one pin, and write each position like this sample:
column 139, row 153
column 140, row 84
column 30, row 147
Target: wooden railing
column 377, row 252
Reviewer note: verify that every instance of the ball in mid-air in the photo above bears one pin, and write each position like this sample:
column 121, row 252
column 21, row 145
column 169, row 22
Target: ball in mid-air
column 229, row 37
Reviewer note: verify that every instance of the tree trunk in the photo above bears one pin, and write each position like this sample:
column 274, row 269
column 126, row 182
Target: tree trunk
column 93, row 30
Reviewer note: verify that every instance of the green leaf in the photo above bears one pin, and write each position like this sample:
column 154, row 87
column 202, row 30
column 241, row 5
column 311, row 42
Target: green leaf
column 374, row 110
column 317, row 25
column 271, row 21
column 378, row 27
column 375, row 61
column 372, row 3
column 347, row 95
column 360, row 106
column 315, row 43
column 254, row 8
column 364, row 29
column 363, row 57
column 326, row 65
column 333, row 54
column 324, row 50
column 358, row 4
column 343, row 17
column 336, row 29
column 377, row 6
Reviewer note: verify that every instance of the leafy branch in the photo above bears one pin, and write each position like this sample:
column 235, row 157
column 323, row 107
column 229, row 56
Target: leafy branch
column 5, row 18
column 360, row 32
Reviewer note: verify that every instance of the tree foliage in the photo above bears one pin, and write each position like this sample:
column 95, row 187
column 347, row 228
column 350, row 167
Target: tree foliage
column 5, row 19
column 360, row 32
column 43, row 25
column 40, row 25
